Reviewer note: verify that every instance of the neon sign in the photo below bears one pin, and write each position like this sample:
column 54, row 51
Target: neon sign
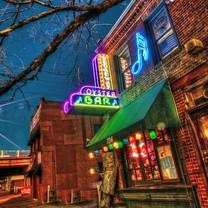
column 92, row 97
column 142, row 54
column 101, row 71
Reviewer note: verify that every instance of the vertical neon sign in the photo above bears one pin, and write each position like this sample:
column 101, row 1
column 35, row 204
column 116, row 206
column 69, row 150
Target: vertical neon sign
column 101, row 71
column 142, row 54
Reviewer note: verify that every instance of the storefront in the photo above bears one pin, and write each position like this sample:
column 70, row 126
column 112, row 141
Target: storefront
column 141, row 136
column 157, row 136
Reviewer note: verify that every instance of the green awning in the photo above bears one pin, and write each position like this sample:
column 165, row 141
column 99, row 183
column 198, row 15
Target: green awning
column 147, row 110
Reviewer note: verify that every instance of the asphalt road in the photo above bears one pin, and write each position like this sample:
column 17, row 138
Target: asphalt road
column 17, row 201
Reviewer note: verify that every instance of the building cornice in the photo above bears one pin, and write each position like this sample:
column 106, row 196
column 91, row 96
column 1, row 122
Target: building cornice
column 136, row 11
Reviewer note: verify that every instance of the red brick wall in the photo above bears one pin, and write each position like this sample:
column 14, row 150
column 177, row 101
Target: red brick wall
column 188, row 152
column 190, row 19
column 65, row 162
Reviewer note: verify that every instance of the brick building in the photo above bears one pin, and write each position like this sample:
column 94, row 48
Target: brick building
column 157, row 52
column 60, row 164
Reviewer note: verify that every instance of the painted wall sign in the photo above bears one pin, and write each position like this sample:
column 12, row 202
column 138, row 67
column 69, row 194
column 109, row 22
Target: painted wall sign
column 95, row 97
column 101, row 71
column 142, row 54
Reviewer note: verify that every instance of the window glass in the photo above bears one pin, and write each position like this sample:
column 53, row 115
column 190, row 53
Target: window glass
column 162, row 32
column 150, row 159
column 125, row 71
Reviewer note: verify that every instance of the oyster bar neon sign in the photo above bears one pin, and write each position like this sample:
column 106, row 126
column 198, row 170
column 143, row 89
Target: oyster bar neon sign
column 95, row 97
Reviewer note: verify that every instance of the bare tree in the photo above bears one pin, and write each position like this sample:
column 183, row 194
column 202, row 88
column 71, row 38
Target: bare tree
column 79, row 13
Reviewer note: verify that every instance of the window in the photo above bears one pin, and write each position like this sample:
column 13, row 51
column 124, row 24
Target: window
column 125, row 78
column 96, row 127
column 149, row 157
column 161, row 32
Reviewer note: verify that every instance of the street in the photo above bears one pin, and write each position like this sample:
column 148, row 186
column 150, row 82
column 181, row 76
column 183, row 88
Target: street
column 8, row 200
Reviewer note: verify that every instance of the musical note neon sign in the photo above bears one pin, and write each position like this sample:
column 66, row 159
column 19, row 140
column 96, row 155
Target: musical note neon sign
column 142, row 54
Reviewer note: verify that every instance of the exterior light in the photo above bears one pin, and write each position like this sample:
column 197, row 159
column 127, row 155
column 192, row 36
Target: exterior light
column 206, row 133
column 131, row 139
column 138, row 136
column 97, row 152
column 105, row 149
column 125, row 141
column 116, row 145
column 91, row 155
column 110, row 146
column 92, row 171
column 152, row 134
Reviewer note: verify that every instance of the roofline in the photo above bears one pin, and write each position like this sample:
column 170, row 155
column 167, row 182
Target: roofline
column 116, row 24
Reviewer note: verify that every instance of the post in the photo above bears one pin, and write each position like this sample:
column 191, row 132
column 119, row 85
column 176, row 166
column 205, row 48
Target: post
column 48, row 194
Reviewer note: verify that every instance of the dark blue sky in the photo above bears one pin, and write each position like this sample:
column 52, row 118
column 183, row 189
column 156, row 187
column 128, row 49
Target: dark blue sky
column 58, row 76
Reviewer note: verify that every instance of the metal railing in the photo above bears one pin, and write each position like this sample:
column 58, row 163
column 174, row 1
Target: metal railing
column 14, row 153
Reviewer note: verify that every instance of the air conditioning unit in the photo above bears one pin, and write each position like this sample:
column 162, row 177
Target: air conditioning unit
column 193, row 46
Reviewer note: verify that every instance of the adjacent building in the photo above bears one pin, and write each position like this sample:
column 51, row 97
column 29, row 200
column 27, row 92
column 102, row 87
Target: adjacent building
column 156, row 57
column 60, row 164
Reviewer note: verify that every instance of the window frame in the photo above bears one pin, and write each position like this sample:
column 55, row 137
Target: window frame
column 119, row 70
column 144, row 181
column 156, row 54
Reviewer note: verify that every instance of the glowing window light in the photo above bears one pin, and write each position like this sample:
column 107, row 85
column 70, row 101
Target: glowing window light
column 142, row 54
column 91, row 155
column 135, row 154
column 152, row 134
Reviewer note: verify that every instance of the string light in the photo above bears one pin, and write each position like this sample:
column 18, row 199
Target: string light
column 152, row 134
column 92, row 171
column 138, row 136
column 91, row 155
column 105, row 149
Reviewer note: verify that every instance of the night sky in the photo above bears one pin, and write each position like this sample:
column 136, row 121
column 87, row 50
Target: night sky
column 58, row 77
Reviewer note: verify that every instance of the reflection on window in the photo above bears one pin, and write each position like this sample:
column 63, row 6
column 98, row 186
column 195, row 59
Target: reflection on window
column 149, row 157
column 125, row 72
column 161, row 29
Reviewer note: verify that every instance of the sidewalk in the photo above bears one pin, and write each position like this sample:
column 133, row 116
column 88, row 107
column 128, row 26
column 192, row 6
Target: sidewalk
column 84, row 205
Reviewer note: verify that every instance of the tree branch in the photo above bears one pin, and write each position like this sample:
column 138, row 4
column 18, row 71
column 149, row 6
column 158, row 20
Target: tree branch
column 56, row 9
column 73, row 25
